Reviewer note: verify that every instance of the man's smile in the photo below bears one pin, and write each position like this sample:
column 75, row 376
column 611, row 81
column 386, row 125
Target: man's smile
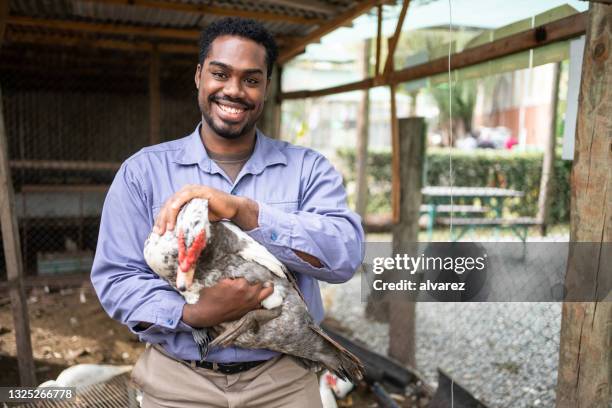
column 230, row 112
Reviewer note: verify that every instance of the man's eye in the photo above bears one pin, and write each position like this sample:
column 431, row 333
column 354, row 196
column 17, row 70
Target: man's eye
column 252, row 81
column 220, row 75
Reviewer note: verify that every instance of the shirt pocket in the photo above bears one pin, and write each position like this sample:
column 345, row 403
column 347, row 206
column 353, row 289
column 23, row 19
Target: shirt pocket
column 286, row 206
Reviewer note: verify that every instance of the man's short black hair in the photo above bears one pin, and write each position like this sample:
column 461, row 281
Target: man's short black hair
column 241, row 27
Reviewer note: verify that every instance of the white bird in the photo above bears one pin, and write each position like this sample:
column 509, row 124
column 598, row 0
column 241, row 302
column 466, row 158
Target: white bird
column 83, row 375
column 198, row 254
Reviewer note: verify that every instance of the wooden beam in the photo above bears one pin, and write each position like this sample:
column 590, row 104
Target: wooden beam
column 64, row 165
column 348, row 16
column 101, row 28
column 563, row 29
column 68, row 41
column 585, row 349
column 379, row 11
column 154, row 99
column 204, row 10
column 395, row 38
column 14, row 264
column 309, row 5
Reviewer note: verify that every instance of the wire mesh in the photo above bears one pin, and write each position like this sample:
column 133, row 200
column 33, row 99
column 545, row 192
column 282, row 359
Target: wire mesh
column 71, row 117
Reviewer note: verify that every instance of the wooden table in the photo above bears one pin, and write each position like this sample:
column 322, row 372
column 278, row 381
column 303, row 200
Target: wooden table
column 438, row 198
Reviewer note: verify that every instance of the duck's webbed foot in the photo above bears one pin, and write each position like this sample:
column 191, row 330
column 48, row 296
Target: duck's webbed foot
column 248, row 322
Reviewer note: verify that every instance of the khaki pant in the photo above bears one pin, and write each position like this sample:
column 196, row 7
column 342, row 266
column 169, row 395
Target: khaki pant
column 280, row 382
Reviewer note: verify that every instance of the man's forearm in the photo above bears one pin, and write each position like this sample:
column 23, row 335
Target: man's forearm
column 247, row 218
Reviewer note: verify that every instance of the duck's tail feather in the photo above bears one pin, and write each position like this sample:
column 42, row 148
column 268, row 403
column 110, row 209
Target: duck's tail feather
column 339, row 360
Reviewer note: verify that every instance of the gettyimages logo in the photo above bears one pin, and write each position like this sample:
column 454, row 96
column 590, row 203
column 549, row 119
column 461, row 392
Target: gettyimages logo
column 488, row 271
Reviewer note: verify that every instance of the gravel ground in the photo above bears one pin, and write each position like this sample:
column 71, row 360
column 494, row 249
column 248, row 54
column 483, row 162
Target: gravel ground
column 506, row 354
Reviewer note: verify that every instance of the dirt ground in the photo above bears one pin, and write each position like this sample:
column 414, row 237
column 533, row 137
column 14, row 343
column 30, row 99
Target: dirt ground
column 68, row 327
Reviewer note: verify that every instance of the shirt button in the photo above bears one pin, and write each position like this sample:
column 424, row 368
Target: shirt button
column 273, row 236
column 170, row 321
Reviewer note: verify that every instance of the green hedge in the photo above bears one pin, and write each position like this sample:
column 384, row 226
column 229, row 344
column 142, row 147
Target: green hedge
column 479, row 168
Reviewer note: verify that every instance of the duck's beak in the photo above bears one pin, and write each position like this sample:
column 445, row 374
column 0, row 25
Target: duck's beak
column 188, row 259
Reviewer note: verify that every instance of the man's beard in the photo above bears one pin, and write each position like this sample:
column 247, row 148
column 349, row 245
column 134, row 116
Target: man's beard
column 228, row 132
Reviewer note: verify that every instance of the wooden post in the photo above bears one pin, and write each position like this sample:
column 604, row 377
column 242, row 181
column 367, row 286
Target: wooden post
column 12, row 248
column 548, row 161
column 402, row 307
column 585, row 351
column 378, row 39
column 363, row 128
column 395, row 159
column 270, row 120
column 393, row 40
column 154, row 98
column 14, row 264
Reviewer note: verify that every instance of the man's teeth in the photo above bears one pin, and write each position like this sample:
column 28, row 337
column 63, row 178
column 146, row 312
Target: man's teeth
column 229, row 109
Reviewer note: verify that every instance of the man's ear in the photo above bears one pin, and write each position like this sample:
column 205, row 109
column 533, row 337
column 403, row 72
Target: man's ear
column 197, row 76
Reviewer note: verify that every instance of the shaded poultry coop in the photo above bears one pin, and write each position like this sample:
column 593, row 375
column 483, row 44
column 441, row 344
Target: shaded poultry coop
column 71, row 118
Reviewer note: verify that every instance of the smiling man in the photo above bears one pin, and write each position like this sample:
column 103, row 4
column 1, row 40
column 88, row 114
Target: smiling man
column 288, row 198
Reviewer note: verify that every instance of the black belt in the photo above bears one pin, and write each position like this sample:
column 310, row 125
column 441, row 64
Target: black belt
column 229, row 368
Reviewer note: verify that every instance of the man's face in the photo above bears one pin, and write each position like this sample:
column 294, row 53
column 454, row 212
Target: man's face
column 232, row 84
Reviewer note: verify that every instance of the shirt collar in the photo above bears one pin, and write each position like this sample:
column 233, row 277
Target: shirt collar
column 265, row 154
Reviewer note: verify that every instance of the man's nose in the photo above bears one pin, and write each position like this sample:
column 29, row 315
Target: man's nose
column 233, row 88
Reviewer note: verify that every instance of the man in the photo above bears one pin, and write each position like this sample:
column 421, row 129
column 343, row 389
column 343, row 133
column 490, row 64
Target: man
column 288, row 198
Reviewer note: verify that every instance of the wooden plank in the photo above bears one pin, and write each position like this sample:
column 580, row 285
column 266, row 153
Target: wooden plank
column 101, row 28
column 354, row 86
column 363, row 129
column 64, row 165
column 563, row 29
column 345, row 17
column 14, row 264
column 64, row 188
column 69, row 41
column 202, row 9
column 585, row 350
column 393, row 42
column 154, row 99
column 402, row 306
column 379, row 11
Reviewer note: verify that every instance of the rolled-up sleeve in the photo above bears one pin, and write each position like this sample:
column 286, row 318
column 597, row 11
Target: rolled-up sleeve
column 128, row 290
column 323, row 226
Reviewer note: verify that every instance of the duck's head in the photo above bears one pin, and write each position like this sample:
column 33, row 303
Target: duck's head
column 193, row 233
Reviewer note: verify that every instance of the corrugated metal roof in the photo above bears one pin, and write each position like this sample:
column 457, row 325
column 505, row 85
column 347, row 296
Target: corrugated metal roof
column 56, row 15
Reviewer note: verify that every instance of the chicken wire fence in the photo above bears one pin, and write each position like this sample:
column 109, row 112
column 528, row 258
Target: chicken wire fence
column 70, row 120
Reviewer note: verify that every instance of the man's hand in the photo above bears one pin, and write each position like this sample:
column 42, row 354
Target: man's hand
column 243, row 211
column 228, row 300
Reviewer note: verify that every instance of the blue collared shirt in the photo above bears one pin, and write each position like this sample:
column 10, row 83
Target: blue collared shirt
column 302, row 206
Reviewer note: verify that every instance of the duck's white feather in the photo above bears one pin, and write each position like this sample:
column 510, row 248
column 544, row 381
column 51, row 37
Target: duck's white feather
column 256, row 252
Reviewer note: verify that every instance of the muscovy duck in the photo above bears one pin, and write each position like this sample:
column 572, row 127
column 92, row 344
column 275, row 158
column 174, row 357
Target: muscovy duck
column 198, row 254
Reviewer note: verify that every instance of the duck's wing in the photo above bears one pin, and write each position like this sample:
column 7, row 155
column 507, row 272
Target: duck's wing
column 254, row 251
